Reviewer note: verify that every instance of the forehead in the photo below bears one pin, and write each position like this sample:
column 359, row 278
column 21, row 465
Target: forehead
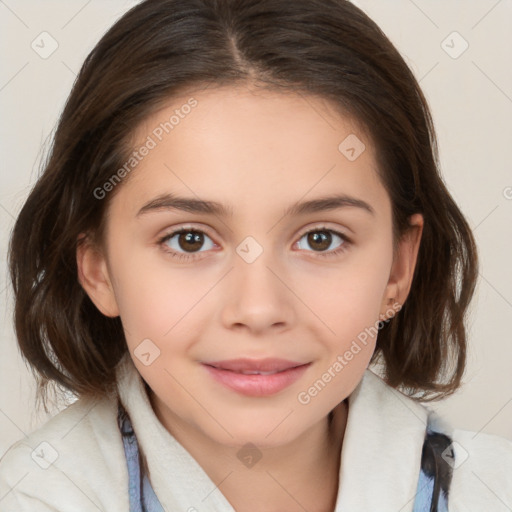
column 244, row 145
column 247, row 115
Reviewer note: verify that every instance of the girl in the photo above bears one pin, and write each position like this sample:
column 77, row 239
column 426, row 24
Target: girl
column 242, row 211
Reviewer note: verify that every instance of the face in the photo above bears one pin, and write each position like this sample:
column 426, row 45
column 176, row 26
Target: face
column 268, row 267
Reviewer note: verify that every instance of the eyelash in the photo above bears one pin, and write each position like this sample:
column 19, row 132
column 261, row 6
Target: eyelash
column 192, row 256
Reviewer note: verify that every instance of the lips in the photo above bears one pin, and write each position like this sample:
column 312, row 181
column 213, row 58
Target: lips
column 245, row 366
column 256, row 378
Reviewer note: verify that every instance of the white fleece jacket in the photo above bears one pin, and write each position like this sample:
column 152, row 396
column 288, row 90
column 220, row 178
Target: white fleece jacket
column 76, row 461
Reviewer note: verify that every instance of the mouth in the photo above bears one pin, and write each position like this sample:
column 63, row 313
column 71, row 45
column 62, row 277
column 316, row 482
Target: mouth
column 256, row 377
column 247, row 366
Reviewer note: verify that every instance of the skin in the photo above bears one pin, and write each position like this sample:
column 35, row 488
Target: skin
column 258, row 153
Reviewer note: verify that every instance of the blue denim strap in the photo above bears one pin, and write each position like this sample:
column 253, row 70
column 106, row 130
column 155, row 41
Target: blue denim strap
column 141, row 494
column 437, row 460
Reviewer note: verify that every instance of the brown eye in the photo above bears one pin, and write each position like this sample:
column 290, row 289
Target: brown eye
column 320, row 240
column 186, row 241
column 190, row 241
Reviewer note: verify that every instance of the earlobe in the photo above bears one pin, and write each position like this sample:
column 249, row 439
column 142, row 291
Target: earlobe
column 402, row 271
column 94, row 277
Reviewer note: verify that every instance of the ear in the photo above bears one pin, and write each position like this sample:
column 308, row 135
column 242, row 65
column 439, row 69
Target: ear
column 404, row 263
column 94, row 277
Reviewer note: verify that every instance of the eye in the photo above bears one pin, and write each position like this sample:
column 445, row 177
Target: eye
column 186, row 243
column 188, row 240
column 322, row 238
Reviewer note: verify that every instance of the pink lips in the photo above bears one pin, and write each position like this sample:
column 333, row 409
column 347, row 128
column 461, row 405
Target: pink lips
column 256, row 377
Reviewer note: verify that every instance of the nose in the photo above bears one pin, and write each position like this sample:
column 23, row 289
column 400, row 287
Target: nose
column 258, row 297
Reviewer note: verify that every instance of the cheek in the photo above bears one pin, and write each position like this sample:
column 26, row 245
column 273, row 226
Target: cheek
column 349, row 304
column 152, row 297
column 348, row 298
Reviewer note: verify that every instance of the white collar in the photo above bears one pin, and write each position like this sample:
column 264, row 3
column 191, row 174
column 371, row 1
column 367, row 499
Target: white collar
column 380, row 457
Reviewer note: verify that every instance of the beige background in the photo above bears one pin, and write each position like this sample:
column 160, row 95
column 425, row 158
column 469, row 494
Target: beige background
column 471, row 100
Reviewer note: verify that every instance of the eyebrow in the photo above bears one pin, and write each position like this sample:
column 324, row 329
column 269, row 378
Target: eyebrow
column 166, row 202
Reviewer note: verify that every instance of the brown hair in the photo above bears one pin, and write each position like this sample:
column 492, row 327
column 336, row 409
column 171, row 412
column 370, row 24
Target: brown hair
column 328, row 48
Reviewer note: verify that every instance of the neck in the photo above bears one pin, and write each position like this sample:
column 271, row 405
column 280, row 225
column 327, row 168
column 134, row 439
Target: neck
column 287, row 477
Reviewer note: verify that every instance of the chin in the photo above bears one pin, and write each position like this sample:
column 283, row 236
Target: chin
column 266, row 432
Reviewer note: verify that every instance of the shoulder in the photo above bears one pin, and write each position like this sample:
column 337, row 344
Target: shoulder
column 73, row 458
column 481, row 465
column 482, row 472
